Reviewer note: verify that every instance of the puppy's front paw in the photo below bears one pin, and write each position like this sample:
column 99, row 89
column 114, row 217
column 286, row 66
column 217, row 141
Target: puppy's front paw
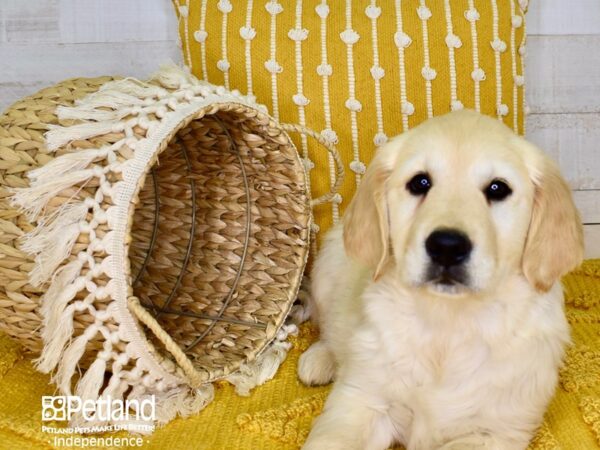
column 478, row 441
column 316, row 365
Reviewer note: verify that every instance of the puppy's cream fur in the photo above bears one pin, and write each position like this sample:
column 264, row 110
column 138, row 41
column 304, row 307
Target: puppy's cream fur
column 430, row 366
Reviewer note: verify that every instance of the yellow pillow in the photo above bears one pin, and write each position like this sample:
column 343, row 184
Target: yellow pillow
column 359, row 72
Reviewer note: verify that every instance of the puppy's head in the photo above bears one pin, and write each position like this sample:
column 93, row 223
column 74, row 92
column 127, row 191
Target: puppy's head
column 459, row 203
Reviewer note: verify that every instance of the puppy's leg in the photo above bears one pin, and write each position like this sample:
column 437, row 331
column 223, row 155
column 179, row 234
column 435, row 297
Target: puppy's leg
column 348, row 423
column 301, row 311
column 483, row 441
column 316, row 365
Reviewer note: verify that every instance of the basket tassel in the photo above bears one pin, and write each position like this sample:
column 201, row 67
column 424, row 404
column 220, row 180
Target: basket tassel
column 49, row 229
column 58, row 317
column 87, row 112
column 60, row 292
column 52, row 243
column 191, row 404
column 33, row 199
column 173, row 77
column 66, row 164
column 58, row 339
column 69, row 360
column 54, row 310
column 133, row 87
column 182, row 401
column 116, row 387
column 55, row 252
column 58, row 136
column 265, row 366
column 105, row 99
column 90, row 385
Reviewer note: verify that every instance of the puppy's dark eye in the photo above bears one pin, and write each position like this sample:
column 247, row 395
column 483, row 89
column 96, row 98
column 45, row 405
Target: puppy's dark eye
column 419, row 184
column 497, row 191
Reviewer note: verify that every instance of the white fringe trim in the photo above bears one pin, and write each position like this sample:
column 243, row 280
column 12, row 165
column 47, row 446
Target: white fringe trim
column 58, row 136
column 68, row 163
column 91, row 383
column 58, row 324
column 174, row 77
column 183, row 401
column 33, row 200
column 265, row 366
column 52, row 241
column 69, row 360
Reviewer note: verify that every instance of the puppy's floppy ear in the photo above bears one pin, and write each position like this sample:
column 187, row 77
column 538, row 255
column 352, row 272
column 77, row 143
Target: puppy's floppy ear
column 554, row 243
column 366, row 222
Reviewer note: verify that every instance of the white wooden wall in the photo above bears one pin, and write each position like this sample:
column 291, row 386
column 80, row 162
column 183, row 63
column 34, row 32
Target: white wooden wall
column 45, row 41
column 563, row 96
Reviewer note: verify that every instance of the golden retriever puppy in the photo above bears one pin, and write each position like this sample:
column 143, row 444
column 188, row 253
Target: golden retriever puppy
column 440, row 313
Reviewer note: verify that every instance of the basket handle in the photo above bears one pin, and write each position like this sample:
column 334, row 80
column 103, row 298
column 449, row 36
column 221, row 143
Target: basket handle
column 339, row 178
column 194, row 377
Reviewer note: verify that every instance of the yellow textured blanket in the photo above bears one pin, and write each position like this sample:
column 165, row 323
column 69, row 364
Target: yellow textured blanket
column 278, row 414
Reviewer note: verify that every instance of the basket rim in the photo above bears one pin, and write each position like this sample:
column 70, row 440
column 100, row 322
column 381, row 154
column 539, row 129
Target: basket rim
column 148, row 156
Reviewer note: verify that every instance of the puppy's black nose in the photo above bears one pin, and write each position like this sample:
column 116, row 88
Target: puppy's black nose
column 448, row 247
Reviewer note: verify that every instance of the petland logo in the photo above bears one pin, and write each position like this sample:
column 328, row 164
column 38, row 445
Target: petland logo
column 104, row 410
column 131, row 415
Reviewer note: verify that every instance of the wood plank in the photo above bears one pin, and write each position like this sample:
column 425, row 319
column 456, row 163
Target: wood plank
column 573, row 140
column 563, row 74
column 117, row 21
column 23, row 65
column 588, row 203
column 563, row 17
column 83, row 21
column 29, row 20
column 591, row 234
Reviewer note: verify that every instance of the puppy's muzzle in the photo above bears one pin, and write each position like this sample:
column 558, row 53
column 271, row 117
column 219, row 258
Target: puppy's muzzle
column 448, row 249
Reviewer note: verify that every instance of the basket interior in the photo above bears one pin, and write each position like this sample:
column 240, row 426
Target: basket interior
column 220, row 237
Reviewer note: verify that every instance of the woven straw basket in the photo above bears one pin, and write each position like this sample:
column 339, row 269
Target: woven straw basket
column 156, row 235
